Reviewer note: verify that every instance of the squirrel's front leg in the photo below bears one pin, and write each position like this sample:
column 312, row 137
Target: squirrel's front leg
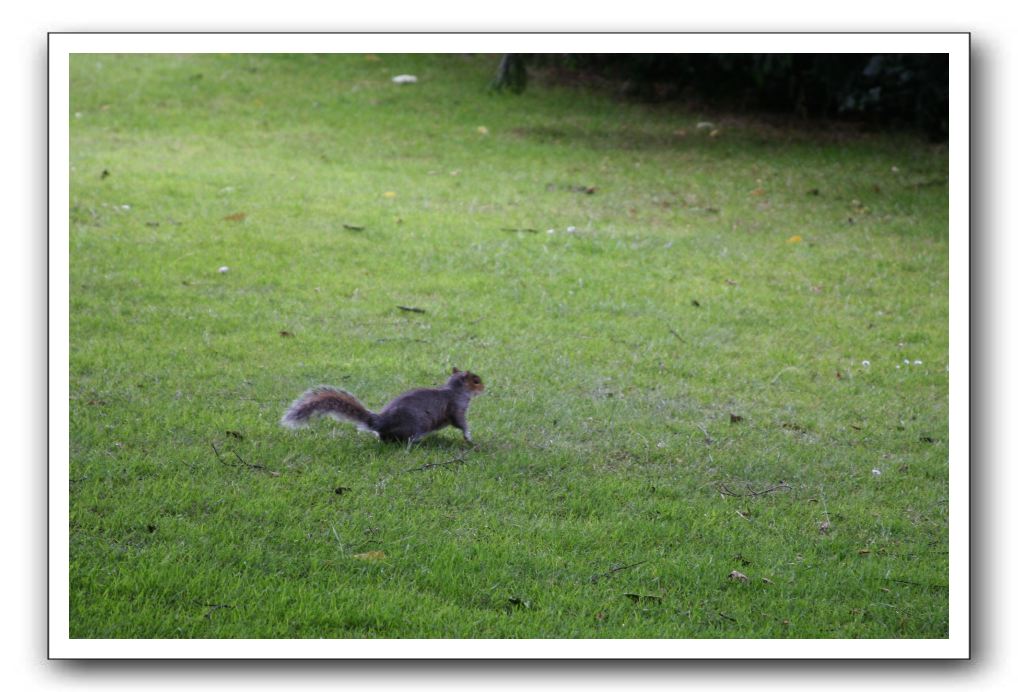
column 459, row 420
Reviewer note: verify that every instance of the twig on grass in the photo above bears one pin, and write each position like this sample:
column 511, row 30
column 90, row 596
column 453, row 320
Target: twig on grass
column 676, row 335
column 436, row 464
column 707, row 439
column 242, row 463
column 597, row 577
column 915, row 583
column 212, row 607
column 723, row 489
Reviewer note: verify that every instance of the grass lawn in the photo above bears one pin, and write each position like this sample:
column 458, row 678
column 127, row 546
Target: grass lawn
column 715, row 358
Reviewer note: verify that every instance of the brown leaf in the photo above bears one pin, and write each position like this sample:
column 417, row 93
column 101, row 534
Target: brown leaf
column 636, row 598
column 239, row 216
column 371, row 555
column 757, row 192
column 739, row 576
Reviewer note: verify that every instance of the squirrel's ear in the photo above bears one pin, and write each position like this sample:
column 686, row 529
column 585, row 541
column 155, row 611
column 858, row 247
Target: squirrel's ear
column 455, row 370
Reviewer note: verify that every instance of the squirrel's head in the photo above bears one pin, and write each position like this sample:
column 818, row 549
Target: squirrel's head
column 466, row 379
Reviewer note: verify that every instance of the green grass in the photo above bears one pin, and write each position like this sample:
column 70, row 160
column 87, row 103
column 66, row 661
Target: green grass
column 615, row 358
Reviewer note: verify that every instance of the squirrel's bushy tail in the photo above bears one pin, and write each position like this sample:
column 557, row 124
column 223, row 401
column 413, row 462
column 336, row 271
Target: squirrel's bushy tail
column 330, row 402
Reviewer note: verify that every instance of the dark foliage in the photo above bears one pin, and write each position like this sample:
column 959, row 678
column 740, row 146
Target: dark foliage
column 889, row 90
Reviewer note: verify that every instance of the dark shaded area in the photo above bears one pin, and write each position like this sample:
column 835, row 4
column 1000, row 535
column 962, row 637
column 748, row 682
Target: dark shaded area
column 908, row 91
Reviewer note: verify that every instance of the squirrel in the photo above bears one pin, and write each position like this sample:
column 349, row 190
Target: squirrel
column 407, row 418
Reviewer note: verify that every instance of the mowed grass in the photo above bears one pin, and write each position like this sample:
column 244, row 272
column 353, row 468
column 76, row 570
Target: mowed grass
column 676, row 379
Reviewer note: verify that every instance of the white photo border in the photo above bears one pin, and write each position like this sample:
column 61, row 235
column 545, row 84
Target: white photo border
column 62, row 45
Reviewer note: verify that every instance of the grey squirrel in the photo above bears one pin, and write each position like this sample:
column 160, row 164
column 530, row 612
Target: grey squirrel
column 407, row 418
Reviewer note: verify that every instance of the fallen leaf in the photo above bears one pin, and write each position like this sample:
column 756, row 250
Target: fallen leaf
column 389, row 194
column 757, row 192
column 739, row 576
column 794, row 239
column 239, row 216
column 371, row 555
column 636, row 598
column 482, row 130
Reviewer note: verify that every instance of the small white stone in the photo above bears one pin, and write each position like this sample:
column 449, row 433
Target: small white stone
column 876, row 472
column 550, row 231
column 223, row 270
column 906, row 361
column 570, row 229
column 917, row 362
